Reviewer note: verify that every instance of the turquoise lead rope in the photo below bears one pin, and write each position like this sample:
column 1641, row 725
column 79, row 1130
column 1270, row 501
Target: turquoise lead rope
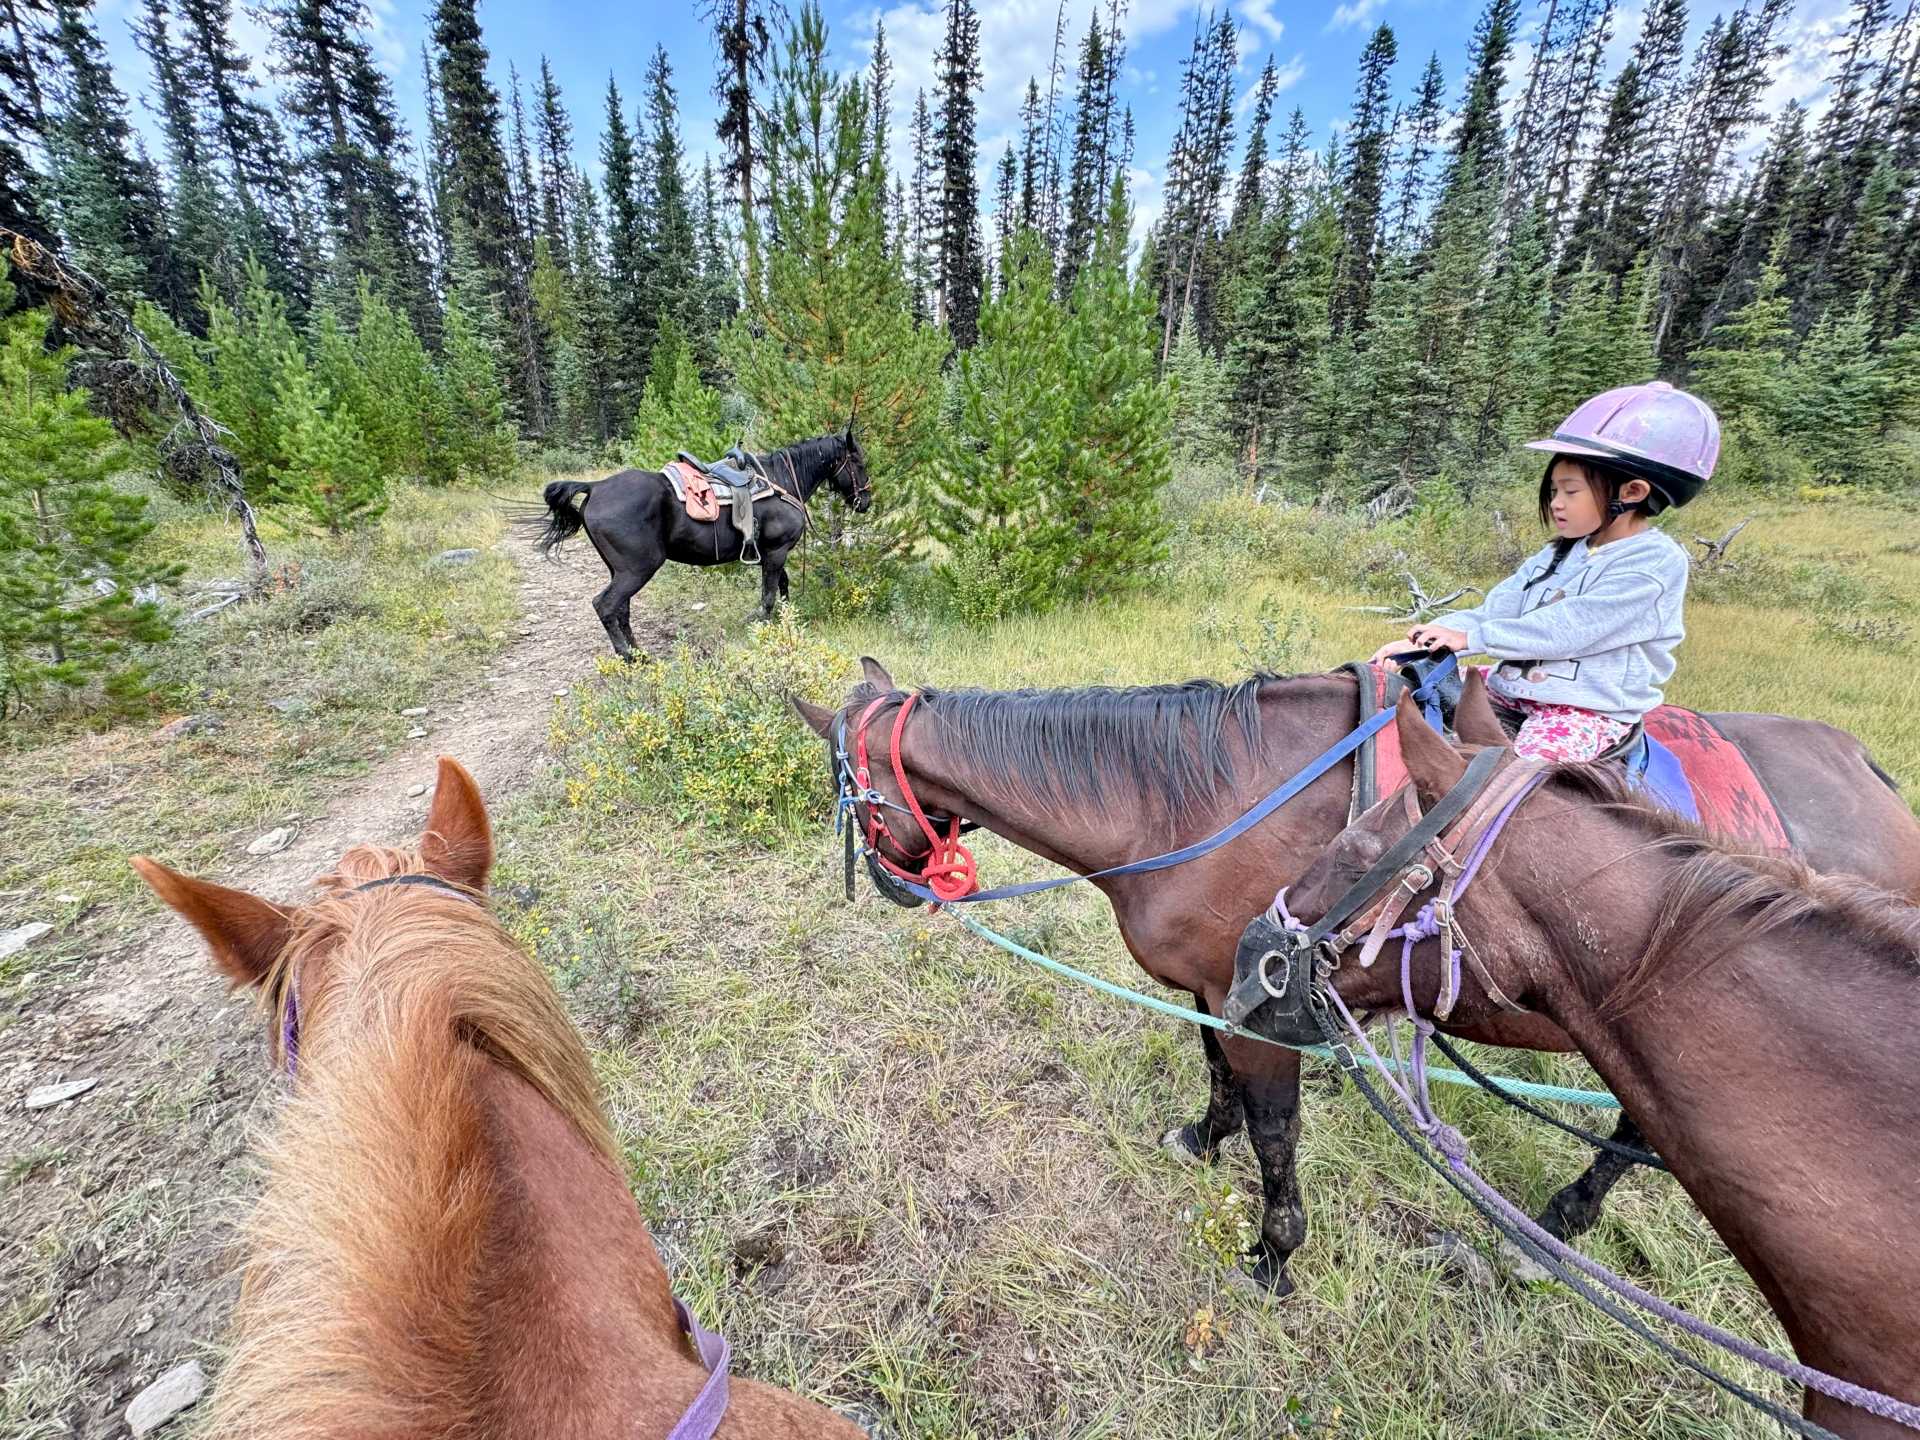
column 1533, row 1090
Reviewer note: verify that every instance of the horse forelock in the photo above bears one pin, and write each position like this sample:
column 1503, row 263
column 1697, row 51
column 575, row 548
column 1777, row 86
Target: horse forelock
column 368, row 1244
column 1721, row 896
column 1178, row 746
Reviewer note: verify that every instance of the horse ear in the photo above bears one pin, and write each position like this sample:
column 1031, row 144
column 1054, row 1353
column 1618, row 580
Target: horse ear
column 819, row 719
column 1434, row 765
column 1473, row 718
column 458, row 843
column 244, row 932
column 876, row 674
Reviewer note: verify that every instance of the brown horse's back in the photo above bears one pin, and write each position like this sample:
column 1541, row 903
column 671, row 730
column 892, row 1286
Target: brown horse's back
column 1841, row 810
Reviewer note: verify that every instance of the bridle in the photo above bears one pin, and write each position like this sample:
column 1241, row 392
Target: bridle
column 1444, row 846
column 290, row 1016
column 946, row 866
column 863, row 489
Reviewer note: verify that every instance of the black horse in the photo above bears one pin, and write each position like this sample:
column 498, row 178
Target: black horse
column 637, row 523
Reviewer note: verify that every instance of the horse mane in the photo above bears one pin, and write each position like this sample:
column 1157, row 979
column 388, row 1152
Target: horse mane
column 1100, row 744
column 811, row 454
column 361, row 1303
column 1722, row 896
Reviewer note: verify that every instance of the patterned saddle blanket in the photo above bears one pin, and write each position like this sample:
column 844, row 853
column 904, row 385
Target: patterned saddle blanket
column 1677, row 755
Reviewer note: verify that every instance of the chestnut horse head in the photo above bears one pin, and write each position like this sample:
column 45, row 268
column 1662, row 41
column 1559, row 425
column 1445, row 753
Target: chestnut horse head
column 445, row 1243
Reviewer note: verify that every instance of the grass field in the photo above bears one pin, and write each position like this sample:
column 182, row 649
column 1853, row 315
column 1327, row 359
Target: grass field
column 901, row 1168
column 902, row 1171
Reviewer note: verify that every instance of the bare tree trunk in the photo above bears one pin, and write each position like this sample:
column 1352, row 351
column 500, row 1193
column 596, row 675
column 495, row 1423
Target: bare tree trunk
column 83, row 306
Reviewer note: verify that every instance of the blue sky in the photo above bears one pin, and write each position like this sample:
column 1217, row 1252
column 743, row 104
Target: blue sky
column 1314, row 45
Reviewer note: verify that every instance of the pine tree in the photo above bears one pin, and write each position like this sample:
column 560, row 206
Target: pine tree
column 678, row 411
column 1835, row 395
column 1480, row 137
column 1742, row 370
column 330, row 471
column 1006, row 214
column 672, row 260
column 480, row 200
column 827, row 333
column 479, row 438
column 106, row 192
column 880, row 100
column 399, row 401
column 23, row 119
column 626, row 258
column 720, row 299
column 961, row 267
column 251, row 342
column 1198, row 383
column 553, row 132
column 1423, row 133
column 246, row 136
column 1504, row 368
column 742, row 39
column 1033, row 156
column 593, row 318
column 922, row 218
column 77, row 593
column 1364, row 182
column 1086, row 185
column 342, row 109
column 1196, row 175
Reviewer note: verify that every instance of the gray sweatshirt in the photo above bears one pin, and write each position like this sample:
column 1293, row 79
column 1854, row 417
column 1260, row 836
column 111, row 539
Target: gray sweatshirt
column 1598, row 634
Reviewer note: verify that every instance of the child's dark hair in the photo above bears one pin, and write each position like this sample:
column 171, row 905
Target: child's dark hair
column 1610, row 480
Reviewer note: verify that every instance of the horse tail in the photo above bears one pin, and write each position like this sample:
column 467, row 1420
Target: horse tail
column 563, row 516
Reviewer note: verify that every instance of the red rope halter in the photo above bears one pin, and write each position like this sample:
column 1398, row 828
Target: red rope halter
column 948, row 868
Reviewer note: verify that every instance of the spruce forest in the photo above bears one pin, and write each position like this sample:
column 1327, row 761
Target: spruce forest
column 1361, row 320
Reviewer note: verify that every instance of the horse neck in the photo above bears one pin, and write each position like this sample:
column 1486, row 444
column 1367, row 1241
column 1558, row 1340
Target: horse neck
column 1300, row 717
column 1786, row 1118
column 454, row 1245
column 808, row 477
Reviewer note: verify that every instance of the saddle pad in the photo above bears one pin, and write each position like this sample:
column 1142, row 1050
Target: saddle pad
column 695, row 491
column 1691, row 768
column 1731, row 799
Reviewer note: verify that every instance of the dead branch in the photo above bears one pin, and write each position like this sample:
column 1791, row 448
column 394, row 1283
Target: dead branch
column 1714, row 552
column 192, row 450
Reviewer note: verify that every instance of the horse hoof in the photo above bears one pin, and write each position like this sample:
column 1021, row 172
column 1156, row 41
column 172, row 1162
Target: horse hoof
column 1183, row 1144
column 1261, row 1276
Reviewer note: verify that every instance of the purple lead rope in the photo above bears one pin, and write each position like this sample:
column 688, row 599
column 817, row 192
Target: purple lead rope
column 710, row 1405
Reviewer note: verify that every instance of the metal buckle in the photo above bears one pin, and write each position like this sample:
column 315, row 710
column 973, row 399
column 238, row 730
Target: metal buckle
column 1416, row 878
column 1285, row 980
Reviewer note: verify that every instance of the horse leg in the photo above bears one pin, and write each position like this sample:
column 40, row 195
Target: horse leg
column 773, row 581
column 1576, row 1209
column 1226, row 1114
column 614, row 606
column 1271, row 1087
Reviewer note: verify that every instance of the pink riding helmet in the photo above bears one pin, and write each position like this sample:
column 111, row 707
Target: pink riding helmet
column 1664, row 436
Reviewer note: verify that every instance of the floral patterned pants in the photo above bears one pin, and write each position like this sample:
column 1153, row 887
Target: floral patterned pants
column 1562, row 734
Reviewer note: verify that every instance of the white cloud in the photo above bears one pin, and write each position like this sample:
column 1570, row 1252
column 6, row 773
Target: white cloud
column 1351, row 14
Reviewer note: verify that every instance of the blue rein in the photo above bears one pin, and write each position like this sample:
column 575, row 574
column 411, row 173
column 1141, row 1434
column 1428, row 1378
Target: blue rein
column 1426, row 696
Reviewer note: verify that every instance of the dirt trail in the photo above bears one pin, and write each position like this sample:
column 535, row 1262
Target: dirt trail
column 115, row 1207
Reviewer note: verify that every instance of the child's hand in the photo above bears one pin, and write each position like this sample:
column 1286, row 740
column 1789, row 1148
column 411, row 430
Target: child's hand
column 1387, row 651
column 1437, row 637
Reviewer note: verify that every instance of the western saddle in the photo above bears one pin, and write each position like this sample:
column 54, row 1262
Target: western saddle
column 707, row 487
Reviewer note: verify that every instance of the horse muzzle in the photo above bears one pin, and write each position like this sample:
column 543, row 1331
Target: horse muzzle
column 1274, row 973
column 889, row 885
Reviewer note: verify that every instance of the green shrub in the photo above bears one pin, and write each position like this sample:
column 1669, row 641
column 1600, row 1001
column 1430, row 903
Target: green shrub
column 710, row 737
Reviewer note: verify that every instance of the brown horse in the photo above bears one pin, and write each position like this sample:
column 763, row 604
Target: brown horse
column 446, row 1245
column 1094, row 778
column 1722, row 996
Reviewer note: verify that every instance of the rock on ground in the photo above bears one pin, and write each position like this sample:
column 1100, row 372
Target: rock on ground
column 166, row 1397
